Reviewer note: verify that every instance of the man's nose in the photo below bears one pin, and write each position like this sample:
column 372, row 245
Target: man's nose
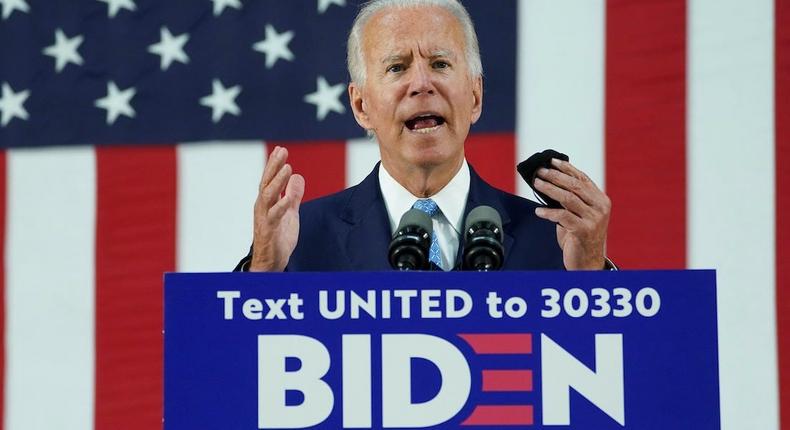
column 421, row 80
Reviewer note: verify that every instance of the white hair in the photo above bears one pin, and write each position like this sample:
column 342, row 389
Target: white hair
column 356, row 60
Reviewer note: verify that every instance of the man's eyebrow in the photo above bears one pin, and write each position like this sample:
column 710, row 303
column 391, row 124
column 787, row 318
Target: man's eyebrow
column 442, row 53
column 393, row 58
column 438, row 53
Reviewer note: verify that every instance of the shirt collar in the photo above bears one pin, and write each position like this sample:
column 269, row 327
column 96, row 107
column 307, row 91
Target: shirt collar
column 451, row 199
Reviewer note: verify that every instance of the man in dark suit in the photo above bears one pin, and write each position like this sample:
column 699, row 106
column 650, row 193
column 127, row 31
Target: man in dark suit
column 417, row 87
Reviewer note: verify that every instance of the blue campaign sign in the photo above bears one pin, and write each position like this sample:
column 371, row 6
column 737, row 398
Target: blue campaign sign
column 570, row 350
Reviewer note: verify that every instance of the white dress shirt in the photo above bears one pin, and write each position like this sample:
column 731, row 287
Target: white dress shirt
column 451, row 200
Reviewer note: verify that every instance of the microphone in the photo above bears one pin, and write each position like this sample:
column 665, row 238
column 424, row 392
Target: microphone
column 528, row 169
column 411, row 243
column 483, row 250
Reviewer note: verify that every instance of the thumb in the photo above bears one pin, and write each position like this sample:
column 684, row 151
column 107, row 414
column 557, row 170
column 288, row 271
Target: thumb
column 295, row 189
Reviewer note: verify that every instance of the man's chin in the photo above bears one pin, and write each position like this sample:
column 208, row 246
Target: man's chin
column 433, row 157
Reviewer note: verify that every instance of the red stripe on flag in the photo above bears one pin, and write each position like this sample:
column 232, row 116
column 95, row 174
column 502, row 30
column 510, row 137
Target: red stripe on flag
column 3, row 209
column 499, row 343
column 782, row 27
column 323, row 165
column 135, row 245
column 646, row 132
column 507, row 380
column 503, row 415
column 493, row 157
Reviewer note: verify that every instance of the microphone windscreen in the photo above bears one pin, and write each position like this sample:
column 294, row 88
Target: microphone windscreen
column 483, row 214
column 418, row 218
column 483, row 250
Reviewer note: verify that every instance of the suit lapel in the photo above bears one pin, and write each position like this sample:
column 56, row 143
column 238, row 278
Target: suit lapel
column 480, row 193
column 368, row 235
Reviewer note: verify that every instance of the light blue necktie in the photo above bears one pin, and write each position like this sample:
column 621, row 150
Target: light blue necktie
column 431, row 208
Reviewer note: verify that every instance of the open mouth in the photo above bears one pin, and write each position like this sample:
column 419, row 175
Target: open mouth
column 426, row 123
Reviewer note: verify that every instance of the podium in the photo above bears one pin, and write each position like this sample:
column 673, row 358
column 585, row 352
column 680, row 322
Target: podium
column 537, row 350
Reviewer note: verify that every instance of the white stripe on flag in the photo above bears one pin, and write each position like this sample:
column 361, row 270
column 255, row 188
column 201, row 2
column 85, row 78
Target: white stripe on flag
column 217, row 186
column 731, row 195
column 561, row 82
column 361, row 156
column 50, row 289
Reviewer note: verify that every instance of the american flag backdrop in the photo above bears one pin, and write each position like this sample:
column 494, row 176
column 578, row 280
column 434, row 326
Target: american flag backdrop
column 134, row 133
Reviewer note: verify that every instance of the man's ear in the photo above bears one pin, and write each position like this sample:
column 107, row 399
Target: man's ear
column 477, row 94
column 358, row 105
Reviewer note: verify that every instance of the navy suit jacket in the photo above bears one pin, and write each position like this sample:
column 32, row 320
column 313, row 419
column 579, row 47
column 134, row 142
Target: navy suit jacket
column 350, row 230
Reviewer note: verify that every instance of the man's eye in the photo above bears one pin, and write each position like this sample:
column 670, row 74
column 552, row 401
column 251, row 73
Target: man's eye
column 440, row 65
column 395, row 68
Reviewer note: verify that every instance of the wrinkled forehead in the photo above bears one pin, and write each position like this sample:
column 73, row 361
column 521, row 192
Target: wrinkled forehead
column 400, row 31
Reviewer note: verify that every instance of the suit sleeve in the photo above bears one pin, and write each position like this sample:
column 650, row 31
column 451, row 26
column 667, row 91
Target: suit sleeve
column 244, row 264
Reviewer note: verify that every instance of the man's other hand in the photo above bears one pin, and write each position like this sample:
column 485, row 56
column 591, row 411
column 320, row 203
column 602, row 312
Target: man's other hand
column 583, row 221
column 276, row 219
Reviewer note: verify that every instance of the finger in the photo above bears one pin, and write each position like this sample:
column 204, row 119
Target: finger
column 273, row 165
column 294, row 192
column 272, row 192
column 278, row 210
column 268, row 170
column 592, row 195
column 562, row 217
column 585, row 190
column 568, row 168
column 567, row 199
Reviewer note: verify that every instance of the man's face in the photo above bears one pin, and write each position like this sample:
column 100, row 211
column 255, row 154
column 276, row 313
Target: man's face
column 419, row 97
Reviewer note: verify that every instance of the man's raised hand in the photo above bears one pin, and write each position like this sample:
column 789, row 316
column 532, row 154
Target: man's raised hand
column 583, row 221
column 276, row 219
